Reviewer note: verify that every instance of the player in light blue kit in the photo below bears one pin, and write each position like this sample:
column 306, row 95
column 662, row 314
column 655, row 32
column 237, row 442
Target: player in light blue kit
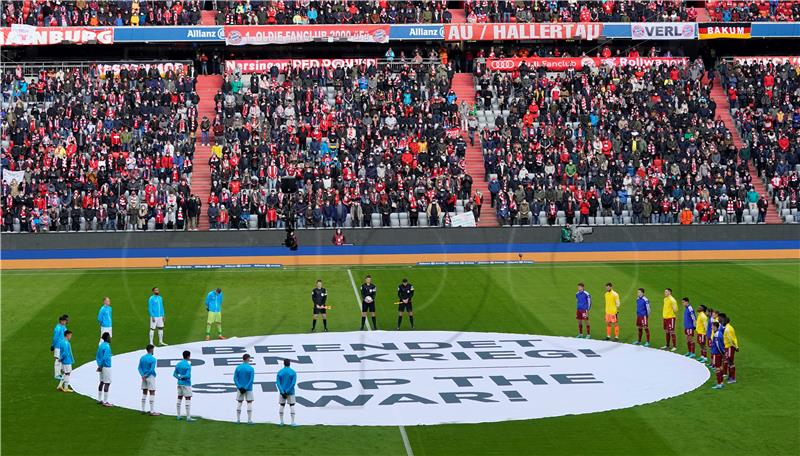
column 55, row 344
column 147, row 370
column 243, row 378
column 103, row 359
column 183, row 372
column 104, row 318
column 66, row 358
column 287, row 379
column 155, row 307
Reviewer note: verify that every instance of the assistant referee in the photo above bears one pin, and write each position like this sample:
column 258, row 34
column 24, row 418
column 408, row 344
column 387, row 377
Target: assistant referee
column 405, row 291
column 319, row 296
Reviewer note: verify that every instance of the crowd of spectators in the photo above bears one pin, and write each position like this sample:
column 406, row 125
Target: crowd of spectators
column 578, row 11
column 252, row 12
column 610, row 145
column 54, row 13
column 754, row 10
column 82, row 150
column 367, row 146
column 765, row 103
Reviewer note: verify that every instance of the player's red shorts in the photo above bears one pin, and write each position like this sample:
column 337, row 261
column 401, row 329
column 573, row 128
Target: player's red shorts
column 688, row 332
column 701, row 339
column 582, row 314
column 716, row 360
column 669, row 324
column 641, row 322
column 729, row 354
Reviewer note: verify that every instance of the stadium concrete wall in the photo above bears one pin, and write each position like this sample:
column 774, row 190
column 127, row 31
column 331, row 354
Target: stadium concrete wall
column 396, row 246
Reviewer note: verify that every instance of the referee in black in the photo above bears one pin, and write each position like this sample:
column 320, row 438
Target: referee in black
column 319, row 296
column 368, row 292
column 405, row 291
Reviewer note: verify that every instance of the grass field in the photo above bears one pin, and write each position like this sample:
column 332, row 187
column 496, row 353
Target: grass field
column 759, row 415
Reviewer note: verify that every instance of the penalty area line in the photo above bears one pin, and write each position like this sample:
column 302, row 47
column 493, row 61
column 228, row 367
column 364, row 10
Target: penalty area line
column 403, row 434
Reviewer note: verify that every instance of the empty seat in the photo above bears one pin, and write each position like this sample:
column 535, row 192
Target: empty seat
column 608, row 220
column 423, row 219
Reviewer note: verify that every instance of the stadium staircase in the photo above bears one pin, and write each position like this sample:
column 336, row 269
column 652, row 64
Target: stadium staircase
column 207, row 87
column 459, row 16
column 208, row 18
column 702, row 15
column 464, row 86
column 724, row 113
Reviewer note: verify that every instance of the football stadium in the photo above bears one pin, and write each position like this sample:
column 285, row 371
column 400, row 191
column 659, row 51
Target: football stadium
column 399, row 227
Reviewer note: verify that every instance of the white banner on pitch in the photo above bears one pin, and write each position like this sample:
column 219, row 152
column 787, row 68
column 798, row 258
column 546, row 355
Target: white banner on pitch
column 409, row 378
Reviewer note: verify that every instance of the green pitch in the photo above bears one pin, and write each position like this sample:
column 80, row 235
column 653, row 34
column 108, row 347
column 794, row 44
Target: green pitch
column 758, row 415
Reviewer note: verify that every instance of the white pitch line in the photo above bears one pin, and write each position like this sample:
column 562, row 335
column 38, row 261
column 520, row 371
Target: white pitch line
column 403, row 435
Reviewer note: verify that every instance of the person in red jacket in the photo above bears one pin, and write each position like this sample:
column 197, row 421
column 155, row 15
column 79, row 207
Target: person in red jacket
column 338, row 237
column 585, row 206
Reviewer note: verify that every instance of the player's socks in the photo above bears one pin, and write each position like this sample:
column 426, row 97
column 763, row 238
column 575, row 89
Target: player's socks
column 280, row 414
column 580, row 329
column 99, row 395
column 161, row 336
column 151, row 336
column 674, row 340
column 732, row 375
column 363, row 322
column 411, row 320
column 219, row 330
column 105, row 397
column 608, row 331
column 238, row 412
column 152, row 404
column 179, row 408
column 640, row 336
column 647, row 335
column 188, row 410
column 588, row 331
column 57, row 369
column 144, row 402
column 313, row 325
column 291, row 412
column 325, row 324
column 249, row 412
column 399, row 321
column 616, row 332
column 719, row 377
column 208, row 331
column 374, row 323
column 668, row 339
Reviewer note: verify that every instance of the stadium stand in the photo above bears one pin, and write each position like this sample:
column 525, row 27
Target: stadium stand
column 371, row 145
column 611, row 146
column 100, row 13
column 754, row 10
column 239, row 12
column 562, row 11
column 97, row 148
column 765, row 107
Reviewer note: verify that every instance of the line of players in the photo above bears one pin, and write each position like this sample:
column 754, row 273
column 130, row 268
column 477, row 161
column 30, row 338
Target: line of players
column 243, row 376
column 710, row 329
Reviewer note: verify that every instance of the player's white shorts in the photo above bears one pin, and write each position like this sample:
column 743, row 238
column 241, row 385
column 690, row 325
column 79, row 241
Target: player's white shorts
column 156, row 322
column 149, row 383
column 247, row 396
column 185, row 391
column 104, row 329
column 105, row 375
column 66, row 368
column 57, row 353
column 282, row 400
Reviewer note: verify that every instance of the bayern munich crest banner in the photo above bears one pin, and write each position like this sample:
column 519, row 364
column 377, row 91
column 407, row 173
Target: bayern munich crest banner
column 236, row 35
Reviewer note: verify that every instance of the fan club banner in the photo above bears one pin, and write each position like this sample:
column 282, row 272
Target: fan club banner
column 262, row 66
column 579, row 63
column 663, row 30
column 765, row 60
column 382, row 378
column 285, row 34
column 26, row 35
column 507, row 32
column 162, row 67
column 715, row 30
